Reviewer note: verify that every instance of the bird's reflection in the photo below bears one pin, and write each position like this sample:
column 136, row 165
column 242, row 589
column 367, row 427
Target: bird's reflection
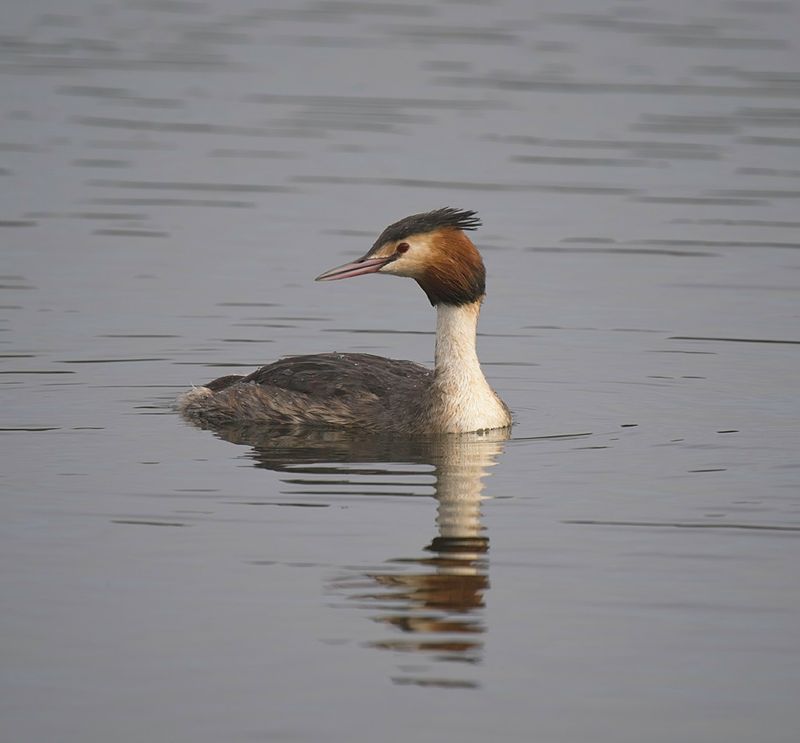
column 433, row 602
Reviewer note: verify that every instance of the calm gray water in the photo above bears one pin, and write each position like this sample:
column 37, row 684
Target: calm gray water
column 622, row 569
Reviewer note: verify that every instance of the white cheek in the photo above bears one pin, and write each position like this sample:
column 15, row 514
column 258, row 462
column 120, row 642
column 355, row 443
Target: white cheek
column 411, row 263
column 392, row 268
column 405, row 266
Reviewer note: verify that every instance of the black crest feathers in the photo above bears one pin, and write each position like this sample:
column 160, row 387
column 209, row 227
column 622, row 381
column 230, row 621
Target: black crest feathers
column 419, row 224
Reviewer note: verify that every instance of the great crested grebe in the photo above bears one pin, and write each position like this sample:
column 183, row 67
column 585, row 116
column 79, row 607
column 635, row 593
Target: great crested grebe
column 372, row 393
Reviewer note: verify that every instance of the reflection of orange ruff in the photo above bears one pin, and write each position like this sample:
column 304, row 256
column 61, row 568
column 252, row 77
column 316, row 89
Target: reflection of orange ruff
column 436, row 600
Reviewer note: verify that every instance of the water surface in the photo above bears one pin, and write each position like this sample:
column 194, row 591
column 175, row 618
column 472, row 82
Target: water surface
column 621, row 568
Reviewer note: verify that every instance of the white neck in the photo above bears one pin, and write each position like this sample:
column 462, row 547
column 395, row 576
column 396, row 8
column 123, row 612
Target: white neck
column 456, row 332
column 465, row 399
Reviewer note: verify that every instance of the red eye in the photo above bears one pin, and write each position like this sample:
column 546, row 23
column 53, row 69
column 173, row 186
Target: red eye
column 402, row 248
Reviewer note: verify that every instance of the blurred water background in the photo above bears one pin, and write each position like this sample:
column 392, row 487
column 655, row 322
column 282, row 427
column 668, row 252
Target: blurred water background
column 622, row 569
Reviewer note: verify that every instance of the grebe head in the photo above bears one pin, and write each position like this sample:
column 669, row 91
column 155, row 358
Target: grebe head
column 431, row 248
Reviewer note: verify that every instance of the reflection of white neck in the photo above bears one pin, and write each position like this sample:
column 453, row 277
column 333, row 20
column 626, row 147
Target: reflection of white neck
column 467, row 402
column 462, row 464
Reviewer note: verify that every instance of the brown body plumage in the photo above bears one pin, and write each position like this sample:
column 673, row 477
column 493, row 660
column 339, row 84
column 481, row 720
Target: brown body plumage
column 372, row 393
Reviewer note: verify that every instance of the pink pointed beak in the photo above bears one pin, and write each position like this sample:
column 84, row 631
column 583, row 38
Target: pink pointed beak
column 356, row 268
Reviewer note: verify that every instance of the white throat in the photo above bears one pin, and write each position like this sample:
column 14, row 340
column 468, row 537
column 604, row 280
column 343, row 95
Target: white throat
column 466, row 402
